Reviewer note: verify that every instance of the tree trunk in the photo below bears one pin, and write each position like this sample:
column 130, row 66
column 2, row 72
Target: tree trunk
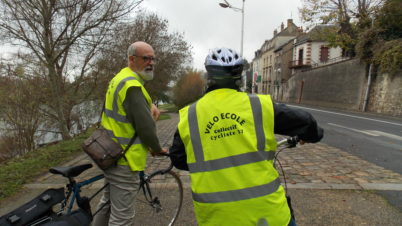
column 57, row 99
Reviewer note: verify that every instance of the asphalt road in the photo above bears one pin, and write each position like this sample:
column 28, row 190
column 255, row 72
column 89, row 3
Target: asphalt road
column 376, row 139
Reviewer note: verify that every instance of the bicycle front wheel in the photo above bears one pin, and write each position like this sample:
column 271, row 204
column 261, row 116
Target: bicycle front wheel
column 161, row 202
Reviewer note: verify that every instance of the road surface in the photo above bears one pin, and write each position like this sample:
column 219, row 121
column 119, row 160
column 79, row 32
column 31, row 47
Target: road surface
column 373, row 138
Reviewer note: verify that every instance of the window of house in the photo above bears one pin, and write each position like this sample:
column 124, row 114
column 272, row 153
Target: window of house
column 324, row 53
column 300, row 60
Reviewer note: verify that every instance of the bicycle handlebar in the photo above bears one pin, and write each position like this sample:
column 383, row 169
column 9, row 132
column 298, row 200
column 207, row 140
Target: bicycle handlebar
column 291, row 142
column 163, row 154
column 170, row 167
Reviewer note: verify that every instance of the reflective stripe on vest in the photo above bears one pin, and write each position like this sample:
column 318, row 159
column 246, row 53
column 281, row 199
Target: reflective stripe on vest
column 123, row 140
column 113, row 113
column 237, row 195
column 200, row 165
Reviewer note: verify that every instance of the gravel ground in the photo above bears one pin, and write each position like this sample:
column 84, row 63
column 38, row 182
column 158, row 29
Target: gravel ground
column 343, row 207
column 326, row 207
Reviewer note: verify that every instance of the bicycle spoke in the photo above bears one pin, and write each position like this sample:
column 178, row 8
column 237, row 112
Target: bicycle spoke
column 163, row 209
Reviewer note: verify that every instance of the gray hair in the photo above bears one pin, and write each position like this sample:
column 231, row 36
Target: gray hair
column 131, row 50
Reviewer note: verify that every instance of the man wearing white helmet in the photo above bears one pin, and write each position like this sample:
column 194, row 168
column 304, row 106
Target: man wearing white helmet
column 226, row 140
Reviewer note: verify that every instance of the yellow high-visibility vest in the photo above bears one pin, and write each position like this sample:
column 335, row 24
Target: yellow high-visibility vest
column 114, row 118
column 230, row 145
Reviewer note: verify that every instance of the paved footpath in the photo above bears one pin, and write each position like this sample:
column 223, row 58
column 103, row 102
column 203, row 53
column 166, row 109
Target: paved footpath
column 328, row 186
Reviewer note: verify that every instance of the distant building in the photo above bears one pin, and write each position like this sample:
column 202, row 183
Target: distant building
column 310, row 50
column 283, row 55
column 257, row 72
column 264, row 60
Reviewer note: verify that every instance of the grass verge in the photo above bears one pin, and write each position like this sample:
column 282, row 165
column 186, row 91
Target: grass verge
column 164, row 116
column 168, row 108
column 165, row 109
column 18, row 171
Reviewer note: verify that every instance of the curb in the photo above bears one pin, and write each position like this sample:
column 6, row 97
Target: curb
column 313, row 186
column 360, row 186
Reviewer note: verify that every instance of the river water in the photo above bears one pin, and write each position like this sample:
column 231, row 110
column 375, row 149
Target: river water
column 86, row 113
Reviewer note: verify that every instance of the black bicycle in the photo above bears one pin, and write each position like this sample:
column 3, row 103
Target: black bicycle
column 289, row 142
column 160, row 203
column 162, row 197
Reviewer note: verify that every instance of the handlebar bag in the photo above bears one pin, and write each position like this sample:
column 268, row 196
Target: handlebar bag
column 78, row 217
column 38, row 207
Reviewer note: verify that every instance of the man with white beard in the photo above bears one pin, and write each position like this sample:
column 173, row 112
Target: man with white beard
column 129, row 119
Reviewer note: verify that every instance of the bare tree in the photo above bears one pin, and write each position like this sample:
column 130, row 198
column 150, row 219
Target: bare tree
column 64, row 37
column 348, row 16
column 173, row 53
column 333, row 12
column 20, row 115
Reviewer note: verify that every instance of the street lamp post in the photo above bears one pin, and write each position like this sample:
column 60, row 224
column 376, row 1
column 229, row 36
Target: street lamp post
column 228, row 5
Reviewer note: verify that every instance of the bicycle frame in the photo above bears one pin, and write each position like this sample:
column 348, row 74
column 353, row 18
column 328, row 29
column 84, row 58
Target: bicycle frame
column 144, row 186
column 72, row 198
column 74, row 189
column 289, row 142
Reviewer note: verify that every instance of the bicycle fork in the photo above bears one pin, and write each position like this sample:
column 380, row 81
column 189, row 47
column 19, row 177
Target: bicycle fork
column 153, row 201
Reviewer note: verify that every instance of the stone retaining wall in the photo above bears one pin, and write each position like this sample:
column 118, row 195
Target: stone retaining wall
column 343, row 85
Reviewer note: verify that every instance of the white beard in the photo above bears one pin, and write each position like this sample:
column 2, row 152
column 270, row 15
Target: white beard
column 147, row 75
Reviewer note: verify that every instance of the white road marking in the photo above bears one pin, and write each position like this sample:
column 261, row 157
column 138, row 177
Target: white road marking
column 390, row 135
column 355, row 130
column 353, row 116
column 374, row 133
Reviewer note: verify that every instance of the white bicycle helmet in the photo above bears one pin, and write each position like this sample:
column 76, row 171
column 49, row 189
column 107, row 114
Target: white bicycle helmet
column 224, row 63
column 223, row 57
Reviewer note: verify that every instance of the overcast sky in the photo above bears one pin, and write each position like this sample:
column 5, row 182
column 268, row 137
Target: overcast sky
column 206, row 25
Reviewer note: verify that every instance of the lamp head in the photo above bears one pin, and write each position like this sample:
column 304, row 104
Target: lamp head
column 223, row 5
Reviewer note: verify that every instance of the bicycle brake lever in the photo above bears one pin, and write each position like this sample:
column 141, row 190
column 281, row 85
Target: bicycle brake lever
column 292, row 141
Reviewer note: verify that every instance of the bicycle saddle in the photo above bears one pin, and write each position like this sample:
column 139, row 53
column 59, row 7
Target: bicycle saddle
column 70, row 171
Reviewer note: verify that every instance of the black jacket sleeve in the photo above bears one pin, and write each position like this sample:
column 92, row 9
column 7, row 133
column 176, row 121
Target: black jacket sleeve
column 292, row 122
column 177, row 153
column 287, row 121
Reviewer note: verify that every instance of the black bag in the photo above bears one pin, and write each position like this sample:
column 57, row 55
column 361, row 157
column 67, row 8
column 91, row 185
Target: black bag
column 38, row 207
column 78, row 217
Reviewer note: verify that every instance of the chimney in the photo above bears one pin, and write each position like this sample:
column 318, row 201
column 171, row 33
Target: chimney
column 290, row 22
column 275, row 32
column 282, row 26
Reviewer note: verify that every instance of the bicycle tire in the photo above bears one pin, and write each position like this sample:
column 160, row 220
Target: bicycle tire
column 167, row 188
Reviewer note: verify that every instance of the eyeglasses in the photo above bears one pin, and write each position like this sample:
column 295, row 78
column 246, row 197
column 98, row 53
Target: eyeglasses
column 147, row 58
